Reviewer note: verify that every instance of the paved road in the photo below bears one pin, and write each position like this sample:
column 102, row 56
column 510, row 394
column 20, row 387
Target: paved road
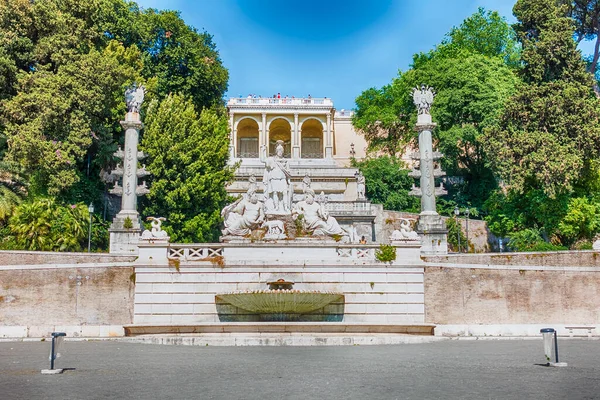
column 443, row 370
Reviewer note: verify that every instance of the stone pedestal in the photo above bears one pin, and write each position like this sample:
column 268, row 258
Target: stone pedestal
column 434, row 234
column 124, row 241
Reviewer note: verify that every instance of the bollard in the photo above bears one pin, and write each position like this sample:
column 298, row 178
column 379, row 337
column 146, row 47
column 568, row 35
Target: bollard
column 551, row 347
column 57, row 340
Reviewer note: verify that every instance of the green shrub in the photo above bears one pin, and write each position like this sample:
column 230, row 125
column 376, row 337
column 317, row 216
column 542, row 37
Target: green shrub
column 385, row 253
column 531, row 240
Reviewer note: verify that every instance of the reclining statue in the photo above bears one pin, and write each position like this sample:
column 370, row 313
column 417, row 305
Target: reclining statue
column 244, row 215
column 316, row 219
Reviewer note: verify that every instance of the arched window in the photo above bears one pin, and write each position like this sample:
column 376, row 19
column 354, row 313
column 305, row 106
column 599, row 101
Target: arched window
column 247, row 139
column 312, row 139
column 280, row 129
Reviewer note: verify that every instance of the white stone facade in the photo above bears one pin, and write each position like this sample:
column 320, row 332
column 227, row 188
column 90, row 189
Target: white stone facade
column 375, row 292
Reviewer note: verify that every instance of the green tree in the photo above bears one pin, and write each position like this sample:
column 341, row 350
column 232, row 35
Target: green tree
column 387, row 182
column 63, row 68
column 473, row 81
column 582, row 220
column 55, row 118
column 187, row 154
column 485, row 32
column 546, row 140
column 586, row 15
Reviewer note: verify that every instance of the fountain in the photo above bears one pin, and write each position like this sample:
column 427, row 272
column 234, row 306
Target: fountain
column 280, row 302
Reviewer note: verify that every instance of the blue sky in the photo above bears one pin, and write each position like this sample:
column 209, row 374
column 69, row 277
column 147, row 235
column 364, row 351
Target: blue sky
column 325, row 48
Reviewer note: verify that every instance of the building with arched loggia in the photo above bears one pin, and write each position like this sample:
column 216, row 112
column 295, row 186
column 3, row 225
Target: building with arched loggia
column 319, row 142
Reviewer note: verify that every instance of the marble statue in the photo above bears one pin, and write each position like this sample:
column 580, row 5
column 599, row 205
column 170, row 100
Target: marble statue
column 423, row 98
column 134, row 97
column 275, row 229
column 252, row 185
column 360, row 185
column 243, row 215
column 156, row 232
column 405, row 233
column 316, row 219
column 306, row 182
column 278, row 189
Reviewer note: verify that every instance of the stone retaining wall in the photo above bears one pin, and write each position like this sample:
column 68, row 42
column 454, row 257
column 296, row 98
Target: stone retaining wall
column 512, row 295
column 581, row 258
column 91, row 301
column 10, row 257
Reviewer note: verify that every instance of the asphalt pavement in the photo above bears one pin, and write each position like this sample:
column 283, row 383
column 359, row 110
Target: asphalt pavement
column 463, row 369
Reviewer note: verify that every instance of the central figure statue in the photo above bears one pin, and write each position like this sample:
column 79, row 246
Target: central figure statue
column 276, row 180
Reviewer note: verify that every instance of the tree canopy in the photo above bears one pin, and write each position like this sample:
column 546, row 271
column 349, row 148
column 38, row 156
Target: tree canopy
column 64, row 66
column 473, row 73
column 545, row 143
column 188, row 159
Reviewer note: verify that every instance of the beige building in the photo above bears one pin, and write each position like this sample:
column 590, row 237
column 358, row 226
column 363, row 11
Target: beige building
column 319, row 143
column 310, row 128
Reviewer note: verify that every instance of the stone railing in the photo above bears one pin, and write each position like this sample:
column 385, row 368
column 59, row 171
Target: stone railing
column 280, row 101
column 349, row 206
column 194, row 252
column 344, row 113
column 350, row 251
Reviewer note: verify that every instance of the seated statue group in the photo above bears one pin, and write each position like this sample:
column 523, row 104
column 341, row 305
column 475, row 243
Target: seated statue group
column 248, row 213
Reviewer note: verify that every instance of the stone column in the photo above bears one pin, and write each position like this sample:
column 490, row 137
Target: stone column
column 232, row 143
column 132, row 126
column 262, row 140
column 296, row 139
column 427, row 181
column 431, row 226
column 125, row 229
column 328, row 138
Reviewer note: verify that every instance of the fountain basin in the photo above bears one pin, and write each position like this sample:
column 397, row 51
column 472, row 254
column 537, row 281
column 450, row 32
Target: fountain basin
column 280, row 302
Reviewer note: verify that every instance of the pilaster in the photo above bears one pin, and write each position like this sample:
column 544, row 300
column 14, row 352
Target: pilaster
column 296, row 139
column 328, row 138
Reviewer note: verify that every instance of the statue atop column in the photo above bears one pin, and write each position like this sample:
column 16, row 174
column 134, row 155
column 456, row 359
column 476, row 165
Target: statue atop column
column 125, row 228
column 134, row 97
column 278, row 188
column 431, row 226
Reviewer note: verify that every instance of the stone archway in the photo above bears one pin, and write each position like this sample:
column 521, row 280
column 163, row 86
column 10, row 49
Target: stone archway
column 280, row 129
column 311, row 141
column 247, row 138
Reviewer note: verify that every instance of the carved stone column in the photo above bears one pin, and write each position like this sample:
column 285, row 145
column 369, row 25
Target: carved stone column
column 125, row 228
column 431, row 226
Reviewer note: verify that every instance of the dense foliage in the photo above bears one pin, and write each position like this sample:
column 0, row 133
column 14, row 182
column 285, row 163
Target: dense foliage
column 64, row 66
column 472, row 71
column 517, row 118
column 188, row 160
column 388, row 183
column 546, row 141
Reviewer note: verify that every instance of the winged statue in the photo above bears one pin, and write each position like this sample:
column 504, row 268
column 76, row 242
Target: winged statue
column 423, row 98
column 134, row 97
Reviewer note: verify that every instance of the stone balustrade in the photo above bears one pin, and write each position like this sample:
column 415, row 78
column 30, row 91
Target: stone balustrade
column 194, row 252
column 280, row 101
column 325, row 251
